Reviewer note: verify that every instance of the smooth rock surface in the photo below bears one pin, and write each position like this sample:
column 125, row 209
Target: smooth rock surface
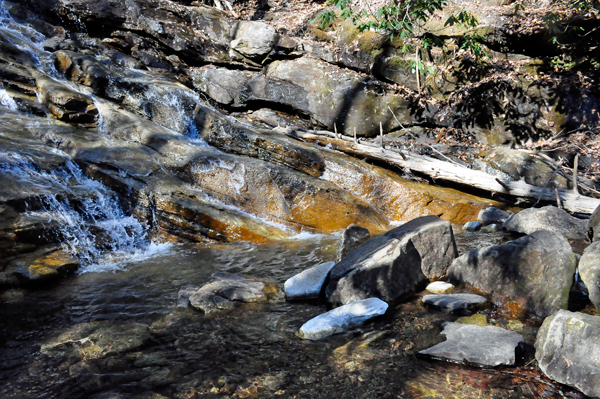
column 548, row 218
column 342, row 319
column 395, row 264
column 589, row 272
column 493, row 215
column 472, row 226
column 568, row 350
column 307, row 284
column 485, row 346
column 353, row 236
column 533, row 274
column 593, row 225
column 227, row 291
column 439, row 287
column 454, row 303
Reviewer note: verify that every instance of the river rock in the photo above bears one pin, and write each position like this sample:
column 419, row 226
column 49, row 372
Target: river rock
column 184, row 294
column 532, row 274
column 493, row 215
column 568, row 350
column 352, row 237
column 592, row 228
column 481, row 345
column 454, row 303
column 307, row 284
column 472, row 226
column 439, row 287
column 342, row 319
column 40, row 266
column 253, row 40
column 589, row 272
column 227, row 291
column 395, row 264
column 547, row 218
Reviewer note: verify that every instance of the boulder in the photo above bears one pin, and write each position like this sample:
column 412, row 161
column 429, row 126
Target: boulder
column 228, row 291
column 307, row 284
column 547, row 218
column 394, row 265
column 487, row 346
column 253, row 40
column 530, row 275
column 455, row 303
column 183, row 296
column 43, row 265
column 589, row 272
column 439, row 287
column 342, row 319
column 493, row 215
column 593, row 232
column 472, row 226
column 352, row 237
column 567, row 349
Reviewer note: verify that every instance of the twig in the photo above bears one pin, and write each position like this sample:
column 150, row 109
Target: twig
column 381, row 135
column 575, row 167
column 558, row 166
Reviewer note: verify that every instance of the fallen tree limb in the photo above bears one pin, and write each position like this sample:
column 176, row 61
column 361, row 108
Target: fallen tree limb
column 441, row 170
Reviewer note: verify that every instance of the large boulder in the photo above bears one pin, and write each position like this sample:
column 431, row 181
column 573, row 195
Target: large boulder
column 253, row 40
column 547, row 218
column 568, row 350
column 589, row 271
column 481, row 345
column 530, row 275
column 593, row 232
column 342, row 319
column 352, row 237
column 395, row 264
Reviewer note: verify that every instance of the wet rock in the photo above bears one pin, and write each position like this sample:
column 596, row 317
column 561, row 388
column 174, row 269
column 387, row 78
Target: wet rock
column 472, row 226
column 97, row 339
column 352, row 237
column 484, row 346
column 589, row 272
column 530, row 275
column 593, row 224
column 394, row 265
column 547, row 218
column 477, row 319
column 252, row 39
column 183, row 296
column 307, row 284
column 493, row 215
column 227, row 291
column 490, row 228
column 439, row 287
column 65, row 103
column 43, row 265
column 567, row 349
column 455, row 303
column 342, row 319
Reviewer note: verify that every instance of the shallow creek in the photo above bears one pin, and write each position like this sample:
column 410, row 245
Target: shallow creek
column 245, row 353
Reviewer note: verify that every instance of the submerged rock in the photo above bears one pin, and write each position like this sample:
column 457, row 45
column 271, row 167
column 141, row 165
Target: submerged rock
column 548, row 218
column 307, row 284
column 228, row 291
column 530, row 275
column 342, row 319
column 352, row 237
column 455, row 303
column 589, row 272
column 568, row 350
column 395, row 264
column 483, row 346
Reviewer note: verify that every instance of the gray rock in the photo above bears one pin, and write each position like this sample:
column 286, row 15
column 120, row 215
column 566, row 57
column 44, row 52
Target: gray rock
column 308, row 284
column 455, row 303
column 472, row 226
column 227, row 291
column 568, row 350
column 490, row 228
column 342, row 319
column 183, row 296
column 493, row 215
column 593, row 232
column 530, row 275
column 439, row 287
column 394, row 265
column 485, row 346
column 547, row 218
column 253, row 40
column 352, row 237
column 589, row 272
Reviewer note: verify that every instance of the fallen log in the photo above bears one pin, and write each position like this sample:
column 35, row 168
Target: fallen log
column 452, row 172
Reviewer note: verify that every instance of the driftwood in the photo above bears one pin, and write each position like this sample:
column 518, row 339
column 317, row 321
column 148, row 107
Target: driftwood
column 441, row 170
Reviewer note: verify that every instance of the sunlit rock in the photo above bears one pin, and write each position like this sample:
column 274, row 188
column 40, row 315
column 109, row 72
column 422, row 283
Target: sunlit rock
column 547, row 218
column 455, row 303
column 40, row 266
column 589, row 272
column 439, row 287
column 307, row 284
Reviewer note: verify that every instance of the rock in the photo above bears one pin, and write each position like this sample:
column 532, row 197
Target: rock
column 395, row 264
column 252, row 39
column 227, row 291
column 493, row 215
column 530, row 275
column 439, row 287
column 342, row 319
column 547, row 218
column 307, row 284
column 40, row 266
column 593, row 232
column 183, row 296
column 472, row 226
column 477, row 319
column 490, row 228
column 484, row 346
column 567, row 349
column 97, row 339
column 455, row 303
column 589, row 272
column 352, row 237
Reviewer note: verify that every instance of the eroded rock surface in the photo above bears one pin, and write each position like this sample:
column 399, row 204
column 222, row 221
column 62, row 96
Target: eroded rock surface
column 547, row 218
